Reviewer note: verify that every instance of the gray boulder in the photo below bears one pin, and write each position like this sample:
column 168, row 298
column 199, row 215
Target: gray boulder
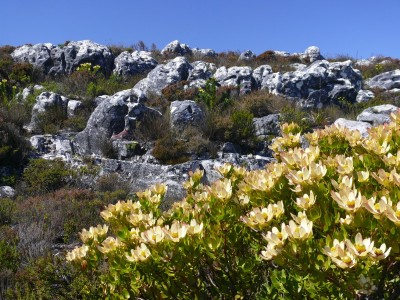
column 73, row 107
column 247, row 55
column 53, row 146
column 134, row 63
column 318, row 84
column 387, row 81
column 201, row 70
column 377, row 115
column 268, row 125
column 26, row 92
column 175, row 47
column 46, row 103
column 58, row 61
column 6, row 192
column 54, row 60
column 38, row 55
column 236, row 76
column 185, row 113
column 77, row 53
column 313, row 54
column 115, row 117
column 201, row 53
column 163, row 75
column 260, row 73
column 362, row 127
column 364, row 96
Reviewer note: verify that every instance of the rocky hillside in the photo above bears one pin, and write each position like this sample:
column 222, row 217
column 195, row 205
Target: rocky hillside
column 87, row 117
column 185, row 89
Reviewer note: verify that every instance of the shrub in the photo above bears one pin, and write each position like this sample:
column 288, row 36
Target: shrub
column 177, row 92
column 111, row 183
column 213, row 96
column 242, row 128
column 14, row 149
column 43, row 176
column 49, row 277
column 170, row 150
column 52, row 120
column 320, row 222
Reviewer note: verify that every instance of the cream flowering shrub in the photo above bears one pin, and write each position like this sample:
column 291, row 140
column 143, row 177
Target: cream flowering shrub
column 321, row 222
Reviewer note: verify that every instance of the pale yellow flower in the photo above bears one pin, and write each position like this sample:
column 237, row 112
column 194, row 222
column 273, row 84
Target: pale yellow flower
column 94, row 233
column 361, row 247
column 78, row 253
column 377, row 208
column 141, row 253
column 222, row 189
column 380, row 253
column 306, row 201
column 347, row 220
column 276, row 237
column 153, row 235
column 393, row 215
column 300, row 231
column 176, row 232
column 307, row 175
column 260, row 217
column 225, row 169
column 344, row 164
column 344, row 182
column 348, row 199
column 194, row 227
column 363, row 176
column 270, row 252
column 110, row 244
column 340, row 255
column 336, row 249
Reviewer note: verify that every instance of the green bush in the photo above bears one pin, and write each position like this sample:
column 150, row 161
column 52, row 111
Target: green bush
column 14, row 149
column 43, row 176
column 319, row 223
column 242, row 129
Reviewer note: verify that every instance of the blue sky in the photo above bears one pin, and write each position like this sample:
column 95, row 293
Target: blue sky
column 359, row 28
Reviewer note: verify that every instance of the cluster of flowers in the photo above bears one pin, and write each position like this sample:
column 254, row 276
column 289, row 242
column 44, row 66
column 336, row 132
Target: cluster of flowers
column 330, row 189
column 345, row 253
column 143, row 229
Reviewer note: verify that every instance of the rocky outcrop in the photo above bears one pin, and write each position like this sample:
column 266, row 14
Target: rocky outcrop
column 143, row 174
column 247, row 55
column 77, row 53
column 38, row 55
column 163, row 75
column 364, row 95
column 185, row 113
column 202, row 53
column 318, row 84
column 377, row 115
column 53, row 146
column 47, row 103
column 26, row 92
column 266, row 126
column 386, row 81
column 260, row 73
column 362, row 127
column 54, row 60
column 137, row 62
column 313, row 54
column 177, row 48
column 74, row 107
column 6, row 192
column 114, row 117
column 201, row 70
column 236, row 77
